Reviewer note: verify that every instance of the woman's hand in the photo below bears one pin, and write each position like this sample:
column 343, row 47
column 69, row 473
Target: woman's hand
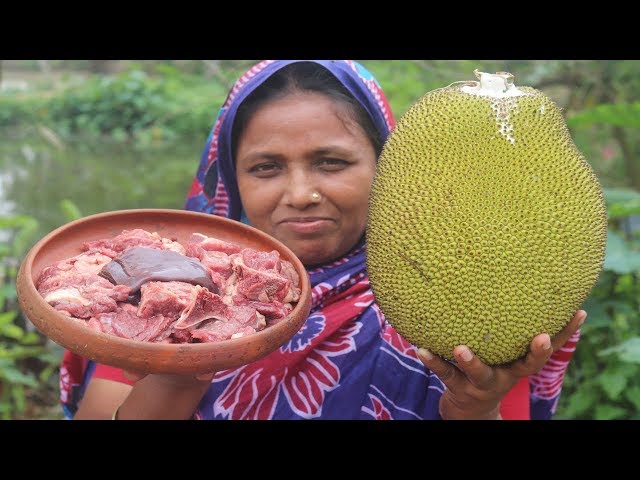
column 474, row 390
column 163, row 396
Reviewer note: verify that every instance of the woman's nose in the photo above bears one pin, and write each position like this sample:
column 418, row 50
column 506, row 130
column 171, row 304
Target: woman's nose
column 300, row 192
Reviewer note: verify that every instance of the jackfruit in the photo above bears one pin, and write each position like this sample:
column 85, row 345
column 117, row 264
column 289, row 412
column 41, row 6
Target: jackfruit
column 486, row 224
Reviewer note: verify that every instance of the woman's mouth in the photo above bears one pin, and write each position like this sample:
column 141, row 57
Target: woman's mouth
column 306, row 225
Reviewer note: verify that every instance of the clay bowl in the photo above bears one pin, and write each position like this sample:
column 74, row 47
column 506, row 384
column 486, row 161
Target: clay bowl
column 192, row 358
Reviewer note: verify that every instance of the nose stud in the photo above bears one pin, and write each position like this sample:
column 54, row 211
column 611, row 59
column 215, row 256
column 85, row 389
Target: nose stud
column 315, row 196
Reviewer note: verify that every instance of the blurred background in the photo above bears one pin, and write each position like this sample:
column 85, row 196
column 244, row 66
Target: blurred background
column 79, row 137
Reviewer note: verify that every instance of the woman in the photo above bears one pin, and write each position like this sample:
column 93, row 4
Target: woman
column 293, row 153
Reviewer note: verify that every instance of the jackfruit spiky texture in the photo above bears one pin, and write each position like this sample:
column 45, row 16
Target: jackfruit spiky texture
column 486, row 224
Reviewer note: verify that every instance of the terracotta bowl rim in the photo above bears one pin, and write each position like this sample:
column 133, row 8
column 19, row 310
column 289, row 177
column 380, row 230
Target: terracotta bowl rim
column 25, row 280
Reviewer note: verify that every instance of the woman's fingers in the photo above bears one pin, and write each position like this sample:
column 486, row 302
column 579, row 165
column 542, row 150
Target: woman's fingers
column 478, row 373
column 543, row 346
column 470, row 368
column 572, row 327
column 446, row 372
column 539, row 352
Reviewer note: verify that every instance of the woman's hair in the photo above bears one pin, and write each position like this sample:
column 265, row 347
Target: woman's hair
column 303, row 77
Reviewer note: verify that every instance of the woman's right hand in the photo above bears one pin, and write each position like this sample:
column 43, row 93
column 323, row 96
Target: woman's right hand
column 163, row 396
column 151, row 397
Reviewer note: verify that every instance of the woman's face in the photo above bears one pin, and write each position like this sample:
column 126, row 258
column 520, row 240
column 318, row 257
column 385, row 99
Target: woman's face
column 293, row 147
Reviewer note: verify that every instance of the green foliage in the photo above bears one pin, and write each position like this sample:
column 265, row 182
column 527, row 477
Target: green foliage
column 70, row 210
column 25, row 360
column 622, row 202
column 17, row 110
column 620, row 114
column 116, row 106
column 134, row 107
column 603, row 378
column 22, row 228
column 28, row 362
column 619, row 257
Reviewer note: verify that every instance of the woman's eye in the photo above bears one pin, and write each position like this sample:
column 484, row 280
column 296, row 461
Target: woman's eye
column 264, row 169
column 332, row 163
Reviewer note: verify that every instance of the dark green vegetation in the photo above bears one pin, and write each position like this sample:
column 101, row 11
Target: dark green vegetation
column 79, row 143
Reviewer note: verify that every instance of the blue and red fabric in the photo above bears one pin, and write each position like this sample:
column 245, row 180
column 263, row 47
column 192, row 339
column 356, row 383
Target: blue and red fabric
column 346, row 362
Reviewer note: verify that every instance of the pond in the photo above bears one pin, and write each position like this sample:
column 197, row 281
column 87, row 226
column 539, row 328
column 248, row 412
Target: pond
column 37, row 174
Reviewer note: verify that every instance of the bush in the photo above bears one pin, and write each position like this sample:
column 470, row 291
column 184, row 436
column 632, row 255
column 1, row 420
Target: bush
column 117, row 106
column 16, row 111
column 131, row 107
column 26, row 364
column 603, row 380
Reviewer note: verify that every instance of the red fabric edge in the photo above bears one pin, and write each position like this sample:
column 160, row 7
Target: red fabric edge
column 110, row 373
column 515, row 404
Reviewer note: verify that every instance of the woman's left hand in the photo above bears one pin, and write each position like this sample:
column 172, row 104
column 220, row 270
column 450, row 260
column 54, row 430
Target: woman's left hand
column 474, row 390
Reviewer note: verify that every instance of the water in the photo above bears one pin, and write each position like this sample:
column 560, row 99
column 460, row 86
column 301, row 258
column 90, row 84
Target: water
column 36, row 175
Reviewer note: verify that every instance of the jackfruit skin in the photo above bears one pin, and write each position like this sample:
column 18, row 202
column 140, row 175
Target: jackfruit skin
column 486, row 224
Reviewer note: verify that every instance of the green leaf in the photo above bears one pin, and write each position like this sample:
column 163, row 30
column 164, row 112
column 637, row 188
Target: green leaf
column 70, row 210
column 46, row 372
column 618, row 256
column 597, row 315
column 624, row 284
column 16, row 221
column 622, row 309
column 11, row 331
column 30, row 338
column 613, row 383
column 609, row 412
column 24, row 237
column 18, row 352
column 119, row 134
column 628, row 351
column 633, row 395
column 17, row 377
column 8, row 292
column 580, row 402
column 17, row 392
column 620, row 195
column 7, row 317
column 620, row 114
column 617, row 210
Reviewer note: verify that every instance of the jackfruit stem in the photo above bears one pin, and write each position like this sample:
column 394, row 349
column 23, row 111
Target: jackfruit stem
column 498, row 85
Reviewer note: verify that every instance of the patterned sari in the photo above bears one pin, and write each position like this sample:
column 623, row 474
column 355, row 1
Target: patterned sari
column 346, row 362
